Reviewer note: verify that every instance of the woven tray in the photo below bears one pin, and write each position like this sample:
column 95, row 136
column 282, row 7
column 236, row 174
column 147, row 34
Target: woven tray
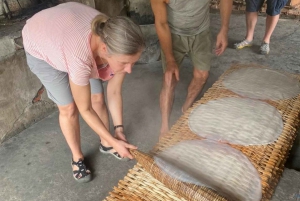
column 267, row 159
column 139, row 185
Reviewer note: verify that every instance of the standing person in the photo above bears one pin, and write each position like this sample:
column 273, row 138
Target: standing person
column 183, row 29
column 273, row 13
column 71, row 48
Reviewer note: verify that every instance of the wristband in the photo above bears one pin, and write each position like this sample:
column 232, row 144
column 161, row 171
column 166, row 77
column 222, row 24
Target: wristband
column 118, row 126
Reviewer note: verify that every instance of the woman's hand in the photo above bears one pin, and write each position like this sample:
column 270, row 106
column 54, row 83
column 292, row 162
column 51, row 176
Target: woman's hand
column 122, row 148
column 119, row 134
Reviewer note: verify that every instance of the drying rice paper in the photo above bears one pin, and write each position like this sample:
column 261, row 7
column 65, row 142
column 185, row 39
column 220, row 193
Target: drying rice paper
column 239, row 121
column 214, row 165
column 260, row 83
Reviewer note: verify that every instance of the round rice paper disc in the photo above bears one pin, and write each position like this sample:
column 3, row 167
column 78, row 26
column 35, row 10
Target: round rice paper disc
column 214, row 165
column 238, row 121
column 260, row 83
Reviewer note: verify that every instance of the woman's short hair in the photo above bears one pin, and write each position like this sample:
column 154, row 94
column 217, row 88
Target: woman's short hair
column 120, row 34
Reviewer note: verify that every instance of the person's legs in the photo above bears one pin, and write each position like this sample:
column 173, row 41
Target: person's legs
column 271, row 23
column 252, row 8
column 179, row 45
column 69, row 124
column 195, row 87
column 99, row 105
column 201, row 54
column 166, row 103
column 251, row 20
column 58, row 90
column 273, row 13
column 98, row 101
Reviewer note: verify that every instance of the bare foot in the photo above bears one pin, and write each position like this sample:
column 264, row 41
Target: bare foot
column 185, row 108
column 163, row 132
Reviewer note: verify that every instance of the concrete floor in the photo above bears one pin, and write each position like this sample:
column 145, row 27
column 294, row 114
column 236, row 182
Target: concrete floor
column 35, row 164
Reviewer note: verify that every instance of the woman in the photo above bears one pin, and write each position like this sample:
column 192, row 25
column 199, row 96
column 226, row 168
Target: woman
column 71, row 48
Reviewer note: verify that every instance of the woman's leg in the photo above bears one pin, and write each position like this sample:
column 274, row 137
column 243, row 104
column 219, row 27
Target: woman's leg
column 69, row 124
column 58, row 89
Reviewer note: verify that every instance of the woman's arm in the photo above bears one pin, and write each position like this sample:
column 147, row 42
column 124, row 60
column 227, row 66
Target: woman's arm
column 115, row 103
column 82, row 98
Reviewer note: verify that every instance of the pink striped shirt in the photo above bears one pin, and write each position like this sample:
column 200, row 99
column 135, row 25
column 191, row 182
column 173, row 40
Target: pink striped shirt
column 61, row 37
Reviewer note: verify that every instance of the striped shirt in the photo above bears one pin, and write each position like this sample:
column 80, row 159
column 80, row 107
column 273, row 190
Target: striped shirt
column 61, row 37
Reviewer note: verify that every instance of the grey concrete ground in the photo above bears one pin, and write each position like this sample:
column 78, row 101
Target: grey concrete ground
column 35, row 165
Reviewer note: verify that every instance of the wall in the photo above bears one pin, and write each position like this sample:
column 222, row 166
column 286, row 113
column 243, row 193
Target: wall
column 1, row 9
column 140, row 11
column 112, row 7
column 19, row 88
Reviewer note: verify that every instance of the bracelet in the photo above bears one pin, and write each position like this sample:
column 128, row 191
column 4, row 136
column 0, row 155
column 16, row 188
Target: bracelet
column 118, row 126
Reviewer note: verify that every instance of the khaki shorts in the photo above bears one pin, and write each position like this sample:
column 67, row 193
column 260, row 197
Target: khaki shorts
column 198, row 48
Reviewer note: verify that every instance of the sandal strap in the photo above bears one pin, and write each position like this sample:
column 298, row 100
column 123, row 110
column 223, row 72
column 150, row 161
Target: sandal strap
column 117, row 154
column 105, row 148
column 81, row 169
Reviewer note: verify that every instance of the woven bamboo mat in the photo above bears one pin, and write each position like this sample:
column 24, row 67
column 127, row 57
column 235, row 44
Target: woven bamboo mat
column 267, row 159
column 139, row 185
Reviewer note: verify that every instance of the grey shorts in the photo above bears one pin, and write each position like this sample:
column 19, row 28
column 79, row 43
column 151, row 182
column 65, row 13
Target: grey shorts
column 57, row 82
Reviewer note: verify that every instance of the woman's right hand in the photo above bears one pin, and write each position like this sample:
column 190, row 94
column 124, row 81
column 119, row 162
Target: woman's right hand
column 122, row 148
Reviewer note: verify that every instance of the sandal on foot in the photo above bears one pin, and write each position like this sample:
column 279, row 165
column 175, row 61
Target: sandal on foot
column 83, row 174
column 242, row 44
column 106, row 150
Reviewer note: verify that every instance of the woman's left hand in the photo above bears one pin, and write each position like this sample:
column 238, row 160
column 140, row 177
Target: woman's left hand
column 120, row 135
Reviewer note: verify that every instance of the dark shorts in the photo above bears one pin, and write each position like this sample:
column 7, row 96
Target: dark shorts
column 273, row 6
